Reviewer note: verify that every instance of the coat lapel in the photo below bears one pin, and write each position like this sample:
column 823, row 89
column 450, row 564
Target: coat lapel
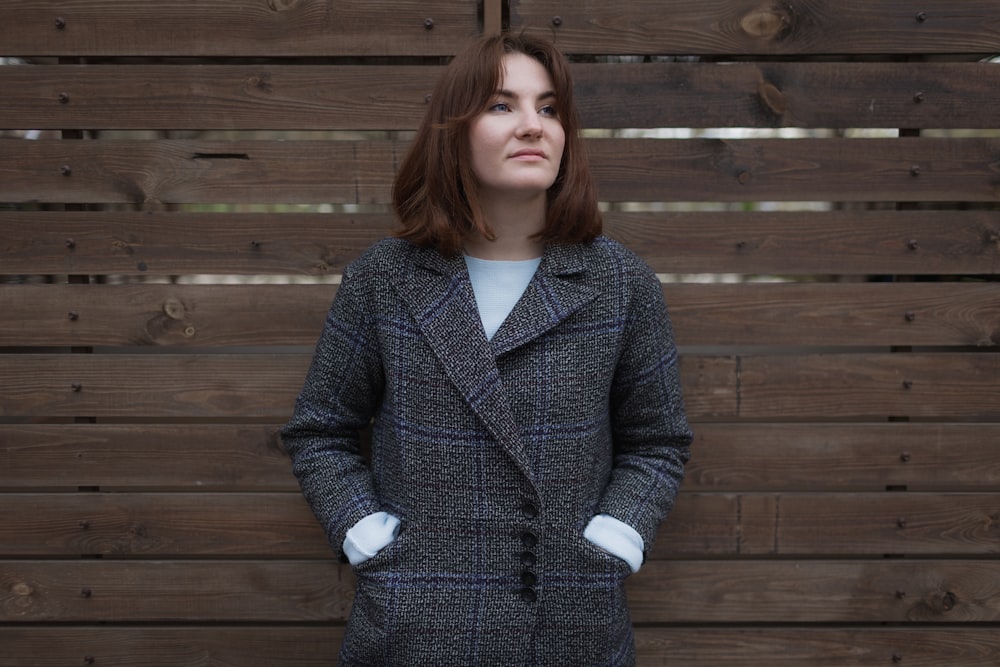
column 556, row 292
column 440, row 298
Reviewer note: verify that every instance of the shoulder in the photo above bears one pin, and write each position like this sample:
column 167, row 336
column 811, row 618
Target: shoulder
column 385, row 258
column 609, row 259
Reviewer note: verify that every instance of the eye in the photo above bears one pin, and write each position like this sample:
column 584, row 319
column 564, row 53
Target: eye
column 549, row 111
column 501, row 107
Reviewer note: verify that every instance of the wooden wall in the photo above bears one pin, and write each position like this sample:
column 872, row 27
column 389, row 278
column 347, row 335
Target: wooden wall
column 835, row 295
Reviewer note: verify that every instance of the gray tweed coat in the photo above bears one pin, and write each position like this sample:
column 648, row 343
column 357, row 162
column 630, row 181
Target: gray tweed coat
column 494, row 454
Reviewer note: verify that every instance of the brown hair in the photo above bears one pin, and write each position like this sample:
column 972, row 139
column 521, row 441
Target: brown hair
column 435, row 194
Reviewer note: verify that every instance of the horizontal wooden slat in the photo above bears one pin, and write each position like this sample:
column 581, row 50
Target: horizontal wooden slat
column 120, row 456
column 281, row 525
column 690, row 592
column 725, row 457
column 848, row 457
column 216, row 591
column 620, row 95
column 849, row 315
column 748, row 26
column 361, row 172
column 784, row 591
column 309, row 646
column 200, row 97
column 904, row 385
column 798, row 243
column 264, row 386
column 225, row 28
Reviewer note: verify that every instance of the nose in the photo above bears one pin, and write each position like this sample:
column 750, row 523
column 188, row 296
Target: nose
column 530, row 125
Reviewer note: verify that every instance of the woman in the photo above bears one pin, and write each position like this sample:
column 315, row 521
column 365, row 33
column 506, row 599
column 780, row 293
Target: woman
column 519, row 371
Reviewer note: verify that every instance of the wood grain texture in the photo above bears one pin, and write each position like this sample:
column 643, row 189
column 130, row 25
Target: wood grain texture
column 686, row 646
column 224, row 28
column 741, row 242
column 262, row 387
column 848, row 315
column 726, row 457
column 280, row 525
column 690, row 592
column 765, row 28
column 847, row 457
column 153, row 173
column 274, row 96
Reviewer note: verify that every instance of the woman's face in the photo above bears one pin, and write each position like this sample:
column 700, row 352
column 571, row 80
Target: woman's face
column 517, row 143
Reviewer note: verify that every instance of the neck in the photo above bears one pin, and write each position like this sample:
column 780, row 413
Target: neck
column 515, row 225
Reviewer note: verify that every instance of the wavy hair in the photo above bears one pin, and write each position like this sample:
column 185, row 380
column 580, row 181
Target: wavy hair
column 436, row 192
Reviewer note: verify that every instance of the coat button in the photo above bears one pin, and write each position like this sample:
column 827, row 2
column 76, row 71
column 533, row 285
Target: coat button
column 527, row 558
column 529, row 594
column 529, row 509
column 529, row 539
column 528, row 578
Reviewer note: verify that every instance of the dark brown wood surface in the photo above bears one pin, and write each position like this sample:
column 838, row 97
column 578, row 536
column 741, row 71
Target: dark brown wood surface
column 726, row 457
column 280, row 525
column 803, row 314
column 806, row 243
column 152, row 173
column 683, row 591
column 686, row 27
column 224, row 28
column 839, row 356
column 384, row 97
column 717, row 387
column 317, row 646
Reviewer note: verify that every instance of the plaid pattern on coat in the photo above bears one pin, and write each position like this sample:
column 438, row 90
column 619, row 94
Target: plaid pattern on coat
column 494, row 454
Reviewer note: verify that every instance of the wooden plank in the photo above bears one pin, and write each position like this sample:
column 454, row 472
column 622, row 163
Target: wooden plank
column 127, row 243
column 775, row 457
column 688, row 592
column 310, row 646
column 201, row 457
column 751, row 242
column 837, row 591
column 219, row 591
column 869, row 386
column 114, row 525
column 817, row 646
column 225, row 28
column 172, row 646
column 152, row 173
column 689, row 27
column 255, row 387
column 621, row 95
column 851, row 314
column 847, row 457
column 262, row 387
column 280, row 525
column 832, row 243
column 229, row 97
column 796, row 170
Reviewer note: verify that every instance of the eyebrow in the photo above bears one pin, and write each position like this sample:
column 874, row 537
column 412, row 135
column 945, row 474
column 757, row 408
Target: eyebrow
column 547, row 95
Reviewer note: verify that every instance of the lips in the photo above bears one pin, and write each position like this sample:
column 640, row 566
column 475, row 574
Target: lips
column 529, row 153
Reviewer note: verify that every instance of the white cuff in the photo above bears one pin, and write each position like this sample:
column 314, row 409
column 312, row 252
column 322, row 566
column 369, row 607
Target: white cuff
column 617, row 538
column 369, row 536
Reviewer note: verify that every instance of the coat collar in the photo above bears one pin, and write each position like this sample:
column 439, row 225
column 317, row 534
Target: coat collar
column 440, row 297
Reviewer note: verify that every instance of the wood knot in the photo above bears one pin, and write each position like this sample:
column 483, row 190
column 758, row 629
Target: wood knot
column 22, row 589
column 768, row 22
column 174, row 309
column 772, row 97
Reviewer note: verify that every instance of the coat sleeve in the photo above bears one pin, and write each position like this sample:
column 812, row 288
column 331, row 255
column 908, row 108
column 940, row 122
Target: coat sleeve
column 342, row 391
column 650, row 432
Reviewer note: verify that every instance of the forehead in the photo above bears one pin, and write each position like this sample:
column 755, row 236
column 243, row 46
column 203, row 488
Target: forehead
column 522, row 74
